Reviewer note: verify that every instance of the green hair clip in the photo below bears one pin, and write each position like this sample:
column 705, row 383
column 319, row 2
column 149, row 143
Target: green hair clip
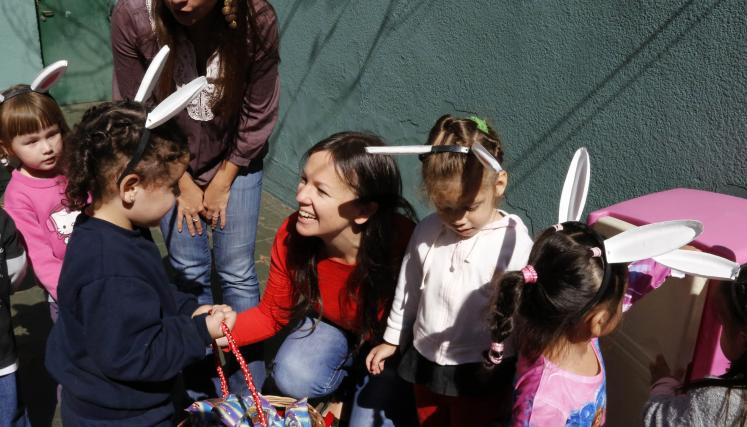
column 481, row 124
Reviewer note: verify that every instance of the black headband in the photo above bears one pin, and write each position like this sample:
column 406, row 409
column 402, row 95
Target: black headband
column 445, row 149
column 137, row 156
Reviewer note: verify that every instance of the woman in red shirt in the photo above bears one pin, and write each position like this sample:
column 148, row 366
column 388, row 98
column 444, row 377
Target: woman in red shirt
column 333, row 272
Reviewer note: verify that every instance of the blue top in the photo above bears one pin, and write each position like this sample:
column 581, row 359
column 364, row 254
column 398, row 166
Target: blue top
column 124, row 332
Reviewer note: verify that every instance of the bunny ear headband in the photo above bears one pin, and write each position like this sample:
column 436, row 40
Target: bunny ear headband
column 165, row 110
column 41, row 84
column 573, row 198
column 656, row 240
column 477, row 149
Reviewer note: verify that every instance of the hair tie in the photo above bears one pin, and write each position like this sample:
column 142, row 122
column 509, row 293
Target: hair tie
column 596, row 252
column 529, row 273
column 558, row 227
column 481, row 124
column 495, row 354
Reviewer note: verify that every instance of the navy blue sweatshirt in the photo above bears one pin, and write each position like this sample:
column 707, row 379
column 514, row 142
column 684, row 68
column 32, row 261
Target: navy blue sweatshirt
column 124, row 332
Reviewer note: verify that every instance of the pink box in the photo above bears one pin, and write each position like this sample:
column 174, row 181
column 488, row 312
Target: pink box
column 724, row 221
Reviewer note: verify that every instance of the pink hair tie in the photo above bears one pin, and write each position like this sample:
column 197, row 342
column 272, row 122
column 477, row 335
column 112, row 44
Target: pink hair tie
column 495, row 354
column 596, row 252
column 529, row 273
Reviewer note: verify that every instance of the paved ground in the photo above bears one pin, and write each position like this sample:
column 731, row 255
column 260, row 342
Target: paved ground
column 32, row 322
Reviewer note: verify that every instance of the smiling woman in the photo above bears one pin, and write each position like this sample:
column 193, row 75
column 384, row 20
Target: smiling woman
column 334, row 265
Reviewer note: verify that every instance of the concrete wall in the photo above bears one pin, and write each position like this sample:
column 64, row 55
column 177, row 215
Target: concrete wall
column 657, row 90
column 21, row 53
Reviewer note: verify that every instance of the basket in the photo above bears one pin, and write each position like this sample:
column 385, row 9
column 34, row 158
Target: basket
column 214, row 412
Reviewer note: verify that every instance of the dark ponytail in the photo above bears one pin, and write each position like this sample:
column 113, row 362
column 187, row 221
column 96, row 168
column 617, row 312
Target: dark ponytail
column 569, row 278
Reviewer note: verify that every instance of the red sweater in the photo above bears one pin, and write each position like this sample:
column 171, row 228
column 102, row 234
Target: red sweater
column 273, row 312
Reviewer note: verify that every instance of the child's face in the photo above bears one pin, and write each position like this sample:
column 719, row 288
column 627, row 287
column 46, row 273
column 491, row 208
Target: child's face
column 466, row 212
column 38, row 152
column 152, row 202
column 326, row 204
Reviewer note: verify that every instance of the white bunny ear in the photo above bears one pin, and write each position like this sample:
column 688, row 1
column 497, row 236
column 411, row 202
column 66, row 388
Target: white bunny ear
column 175, row 103
column 700, row 264
column 648, row 241
column 400, row 149
column 485, row 157
column 152, row 74
column 575, row 188
column 49, row 76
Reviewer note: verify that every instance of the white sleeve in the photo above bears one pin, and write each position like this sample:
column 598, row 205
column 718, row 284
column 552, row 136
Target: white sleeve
column 406, row 297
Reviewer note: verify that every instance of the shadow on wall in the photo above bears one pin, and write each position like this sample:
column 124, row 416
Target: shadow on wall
column 397, row 13
column 636, row 63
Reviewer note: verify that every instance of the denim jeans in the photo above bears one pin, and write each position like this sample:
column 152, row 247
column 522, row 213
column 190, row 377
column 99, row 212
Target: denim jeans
column 233, row 249
column 315, row 363
column 12, row 413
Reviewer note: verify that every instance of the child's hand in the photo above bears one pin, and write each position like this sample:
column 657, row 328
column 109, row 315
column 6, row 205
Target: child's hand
column 207, row 308
column 214, row 319
column 377, row 356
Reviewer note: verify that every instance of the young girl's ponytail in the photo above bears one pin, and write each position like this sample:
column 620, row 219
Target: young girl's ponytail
column 503, row 313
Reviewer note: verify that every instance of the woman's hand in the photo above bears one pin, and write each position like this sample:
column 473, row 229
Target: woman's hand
column 377, row 356
column 189, row 206
column 215, row 203
column 217, row 193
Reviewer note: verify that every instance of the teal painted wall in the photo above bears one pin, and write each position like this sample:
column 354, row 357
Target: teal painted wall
column 657, row 90
column 21, row 53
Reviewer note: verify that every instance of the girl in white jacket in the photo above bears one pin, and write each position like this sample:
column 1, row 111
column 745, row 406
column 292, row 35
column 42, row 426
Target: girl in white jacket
column 438, row 314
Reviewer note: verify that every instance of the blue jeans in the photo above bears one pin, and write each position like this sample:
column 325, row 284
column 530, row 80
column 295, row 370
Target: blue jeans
column 12, row 413
column 315, row 363
column 233, row 248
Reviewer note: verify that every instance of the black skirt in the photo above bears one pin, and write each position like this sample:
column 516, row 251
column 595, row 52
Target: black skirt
column 468, row 379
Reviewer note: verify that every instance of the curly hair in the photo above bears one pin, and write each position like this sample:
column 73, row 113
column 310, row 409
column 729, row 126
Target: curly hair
column 100, row 146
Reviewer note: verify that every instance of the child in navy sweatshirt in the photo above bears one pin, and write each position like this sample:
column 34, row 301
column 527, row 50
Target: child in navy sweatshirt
column 124, row 333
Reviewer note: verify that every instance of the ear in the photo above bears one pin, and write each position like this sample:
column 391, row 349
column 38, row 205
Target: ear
column 501, row 181
column 365, row 211
column 597, row 322
column 128, row 188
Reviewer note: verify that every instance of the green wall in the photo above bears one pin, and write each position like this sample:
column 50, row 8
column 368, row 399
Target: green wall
column 20, row 57
column 657, row 90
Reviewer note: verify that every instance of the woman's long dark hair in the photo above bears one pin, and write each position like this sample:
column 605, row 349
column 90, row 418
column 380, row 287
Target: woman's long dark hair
column 569, row 279
column 373, row 178
column 734, row 296
column 236, row 65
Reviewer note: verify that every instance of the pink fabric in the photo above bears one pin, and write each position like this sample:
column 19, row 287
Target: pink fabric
column 546, row 395
column 643, row 277
column 36, row 207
